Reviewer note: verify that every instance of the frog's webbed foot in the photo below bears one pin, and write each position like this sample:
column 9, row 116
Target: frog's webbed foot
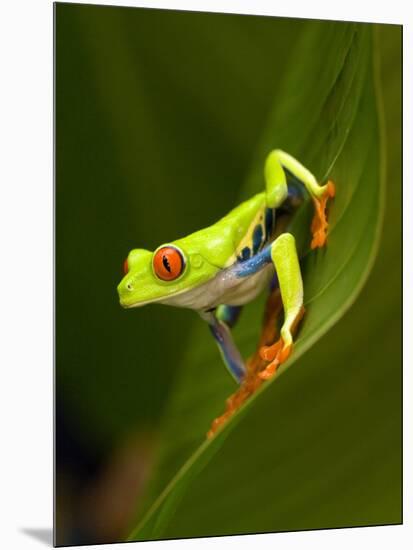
column 279, row 352
column 276, row 354
column 319, row 224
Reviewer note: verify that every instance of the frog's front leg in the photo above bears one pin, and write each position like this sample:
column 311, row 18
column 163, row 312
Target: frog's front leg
column 219, row 323
column 285, row 259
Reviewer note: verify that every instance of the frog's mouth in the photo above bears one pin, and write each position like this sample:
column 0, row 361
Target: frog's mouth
column 126, row 305
column 159, row 300
column 129, row 305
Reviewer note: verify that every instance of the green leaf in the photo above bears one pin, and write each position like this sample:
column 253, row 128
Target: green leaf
column 268, row 468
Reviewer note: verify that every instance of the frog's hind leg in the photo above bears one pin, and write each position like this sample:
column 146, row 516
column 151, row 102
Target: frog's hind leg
column 277, row 190
column 228, row 314
column 251, row 382
column 285, row 259
column 220, row 323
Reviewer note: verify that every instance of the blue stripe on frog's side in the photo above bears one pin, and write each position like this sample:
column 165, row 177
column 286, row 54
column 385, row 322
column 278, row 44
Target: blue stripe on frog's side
column 264, row 231
column 261, row 235
column 254, row 264
column 245, row 254
column 257, row 238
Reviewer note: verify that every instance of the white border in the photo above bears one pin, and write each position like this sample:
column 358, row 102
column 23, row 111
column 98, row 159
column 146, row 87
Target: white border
column 26, row 269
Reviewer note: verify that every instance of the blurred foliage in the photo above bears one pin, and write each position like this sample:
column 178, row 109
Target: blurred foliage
column 159, row 117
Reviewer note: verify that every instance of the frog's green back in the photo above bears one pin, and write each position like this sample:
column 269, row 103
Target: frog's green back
column 220, row 243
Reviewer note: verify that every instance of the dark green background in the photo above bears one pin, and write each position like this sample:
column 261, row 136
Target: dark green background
column 157, row 116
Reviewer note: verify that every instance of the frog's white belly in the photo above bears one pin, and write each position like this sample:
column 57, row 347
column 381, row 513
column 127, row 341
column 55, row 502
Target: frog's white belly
column 225, row 288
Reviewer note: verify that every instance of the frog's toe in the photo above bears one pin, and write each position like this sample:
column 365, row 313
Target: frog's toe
column 276, row 354
column 269, row 370
column 319, row 238
column 269, row 353
column 319, row 224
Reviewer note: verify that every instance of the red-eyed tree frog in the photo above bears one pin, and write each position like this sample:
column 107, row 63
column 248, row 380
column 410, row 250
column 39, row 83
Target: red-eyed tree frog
column 217, row 270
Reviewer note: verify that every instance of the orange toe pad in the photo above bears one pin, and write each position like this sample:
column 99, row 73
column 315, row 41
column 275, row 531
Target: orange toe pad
column 319, row 224
column 277, row 354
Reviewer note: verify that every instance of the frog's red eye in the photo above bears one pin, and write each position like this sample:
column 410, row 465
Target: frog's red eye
column 168, row 263
column 125, row 266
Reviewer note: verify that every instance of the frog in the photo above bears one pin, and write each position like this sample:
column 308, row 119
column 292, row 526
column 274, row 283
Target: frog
column 217, row 270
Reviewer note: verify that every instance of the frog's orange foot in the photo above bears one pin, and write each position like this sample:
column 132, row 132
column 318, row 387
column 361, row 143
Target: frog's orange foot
column 319, row 224
column 234, row 402
column 216, row 424
column 277, row 354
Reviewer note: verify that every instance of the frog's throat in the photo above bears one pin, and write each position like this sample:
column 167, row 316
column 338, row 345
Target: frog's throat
column 225, row 288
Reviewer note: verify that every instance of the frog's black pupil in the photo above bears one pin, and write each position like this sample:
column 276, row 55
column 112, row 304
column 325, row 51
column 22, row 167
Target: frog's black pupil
column 166, row 263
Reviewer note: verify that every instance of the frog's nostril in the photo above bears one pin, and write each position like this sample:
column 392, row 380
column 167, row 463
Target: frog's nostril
column 129, row 286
